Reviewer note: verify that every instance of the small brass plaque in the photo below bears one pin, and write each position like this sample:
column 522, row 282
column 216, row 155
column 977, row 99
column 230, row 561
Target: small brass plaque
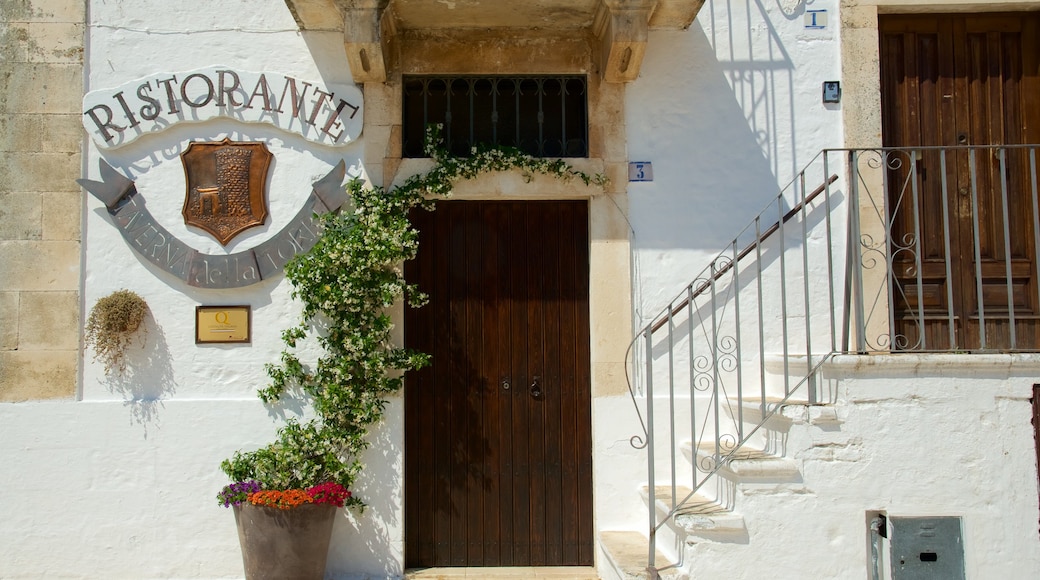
column 222, row 324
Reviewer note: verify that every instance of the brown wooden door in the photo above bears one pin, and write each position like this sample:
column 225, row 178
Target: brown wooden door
column 950, row 80
column 498, row 456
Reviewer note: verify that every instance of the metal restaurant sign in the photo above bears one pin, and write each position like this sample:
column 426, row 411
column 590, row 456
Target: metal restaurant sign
column 322, row 114
column 225, row 192
column 157, row 245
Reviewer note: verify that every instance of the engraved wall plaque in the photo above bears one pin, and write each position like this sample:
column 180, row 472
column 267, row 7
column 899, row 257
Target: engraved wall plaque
column 226, row 187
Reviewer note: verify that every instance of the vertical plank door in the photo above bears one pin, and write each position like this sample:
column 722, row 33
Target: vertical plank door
column 498, row 458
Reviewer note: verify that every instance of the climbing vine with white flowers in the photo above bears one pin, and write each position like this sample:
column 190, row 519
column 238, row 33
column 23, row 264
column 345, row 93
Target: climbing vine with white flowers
column 347, row 282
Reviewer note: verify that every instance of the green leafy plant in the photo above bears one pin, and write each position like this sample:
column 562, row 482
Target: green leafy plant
column 346, row 283
column 111, row 326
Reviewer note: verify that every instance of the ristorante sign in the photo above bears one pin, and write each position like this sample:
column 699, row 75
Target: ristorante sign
column 225, row 180
column 330, row 115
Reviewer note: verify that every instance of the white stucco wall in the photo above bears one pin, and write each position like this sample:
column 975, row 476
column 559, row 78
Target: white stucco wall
column 904, row 435
column 100, row 489
column 728, row 112
column 912, row 436
column 121, row 483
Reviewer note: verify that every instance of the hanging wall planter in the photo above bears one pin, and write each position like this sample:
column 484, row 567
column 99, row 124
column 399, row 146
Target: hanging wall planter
column 113, row 322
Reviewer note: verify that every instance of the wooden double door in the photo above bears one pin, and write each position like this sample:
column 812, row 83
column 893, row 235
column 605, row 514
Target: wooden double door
column 498, row 457
column 962, row 80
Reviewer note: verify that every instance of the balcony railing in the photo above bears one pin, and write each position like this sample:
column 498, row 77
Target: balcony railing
column 924, row 249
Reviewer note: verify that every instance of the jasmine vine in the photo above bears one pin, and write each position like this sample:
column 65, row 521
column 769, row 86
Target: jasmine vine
column 346, row 283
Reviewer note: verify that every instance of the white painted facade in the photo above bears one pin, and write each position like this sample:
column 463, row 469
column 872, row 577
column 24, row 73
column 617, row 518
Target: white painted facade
column 121, row 482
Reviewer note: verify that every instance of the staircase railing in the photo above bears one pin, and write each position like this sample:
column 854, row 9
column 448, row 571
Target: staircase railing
column 842, row 260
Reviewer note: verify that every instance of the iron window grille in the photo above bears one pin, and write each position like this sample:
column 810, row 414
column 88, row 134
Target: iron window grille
column 544, row 116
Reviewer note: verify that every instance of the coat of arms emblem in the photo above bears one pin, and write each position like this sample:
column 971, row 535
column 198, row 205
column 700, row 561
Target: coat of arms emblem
column 226, row 185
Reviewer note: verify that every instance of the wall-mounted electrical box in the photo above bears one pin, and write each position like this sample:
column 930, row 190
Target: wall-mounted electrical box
column 917, row 548
column 831, row 91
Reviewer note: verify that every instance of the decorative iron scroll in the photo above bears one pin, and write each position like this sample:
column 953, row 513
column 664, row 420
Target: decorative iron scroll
column 881, row 252
column 160, row 247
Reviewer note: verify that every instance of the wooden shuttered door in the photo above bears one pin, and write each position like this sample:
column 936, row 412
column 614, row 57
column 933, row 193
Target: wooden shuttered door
column 498, row 457
column 951, row 80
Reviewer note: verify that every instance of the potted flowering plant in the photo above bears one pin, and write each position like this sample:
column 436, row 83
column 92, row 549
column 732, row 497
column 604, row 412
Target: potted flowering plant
column 286, row 494
column 292, row 487
column 284, row 533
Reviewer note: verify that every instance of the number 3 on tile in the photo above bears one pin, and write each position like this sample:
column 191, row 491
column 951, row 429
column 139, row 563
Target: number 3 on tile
column 640, row 171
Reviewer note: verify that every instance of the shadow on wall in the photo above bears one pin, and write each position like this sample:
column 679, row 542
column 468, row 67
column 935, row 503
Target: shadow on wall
column 148, row 378
column 721, row 98
column 752, row 55
column 361, row 545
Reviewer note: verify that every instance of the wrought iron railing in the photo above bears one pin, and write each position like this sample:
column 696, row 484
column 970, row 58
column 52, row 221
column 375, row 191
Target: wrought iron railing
column 923, row 249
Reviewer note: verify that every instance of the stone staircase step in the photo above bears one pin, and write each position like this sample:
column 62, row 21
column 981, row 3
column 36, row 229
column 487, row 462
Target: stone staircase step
column 699, row 514
column 748, row 464
column 797, row 367
column 790, row 412
column 787, row 412
column 626, row 553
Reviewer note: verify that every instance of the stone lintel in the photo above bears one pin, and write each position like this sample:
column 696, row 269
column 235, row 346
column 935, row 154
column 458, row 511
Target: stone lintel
column 490, row 52
column 371, row 27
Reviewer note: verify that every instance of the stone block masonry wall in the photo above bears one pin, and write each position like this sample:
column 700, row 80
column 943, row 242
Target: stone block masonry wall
column 41, row 88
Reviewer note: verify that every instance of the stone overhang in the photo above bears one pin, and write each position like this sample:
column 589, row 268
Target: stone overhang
column 616, row 30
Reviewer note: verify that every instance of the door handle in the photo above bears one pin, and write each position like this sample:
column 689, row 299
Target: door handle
column 536, row 388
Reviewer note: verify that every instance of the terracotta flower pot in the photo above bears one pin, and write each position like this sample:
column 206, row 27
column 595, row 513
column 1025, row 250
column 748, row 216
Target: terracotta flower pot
column 288, row 544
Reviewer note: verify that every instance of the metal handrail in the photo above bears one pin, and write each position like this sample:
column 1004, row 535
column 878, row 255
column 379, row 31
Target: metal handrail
column 748, row 249
column 720, row 267
column 639, row 442
column 882, row 254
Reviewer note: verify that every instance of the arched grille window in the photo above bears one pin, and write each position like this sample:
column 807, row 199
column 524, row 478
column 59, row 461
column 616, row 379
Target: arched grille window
column 545, row 116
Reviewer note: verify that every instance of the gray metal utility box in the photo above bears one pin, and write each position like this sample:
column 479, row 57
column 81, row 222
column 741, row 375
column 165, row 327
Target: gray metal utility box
column 926, row 548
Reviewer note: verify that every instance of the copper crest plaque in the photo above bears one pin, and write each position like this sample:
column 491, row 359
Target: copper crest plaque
column 226, row 187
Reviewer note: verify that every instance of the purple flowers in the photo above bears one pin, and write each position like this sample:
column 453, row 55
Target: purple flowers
column 237, row 493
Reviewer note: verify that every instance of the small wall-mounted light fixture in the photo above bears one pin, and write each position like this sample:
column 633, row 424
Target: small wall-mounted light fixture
column 831, row 91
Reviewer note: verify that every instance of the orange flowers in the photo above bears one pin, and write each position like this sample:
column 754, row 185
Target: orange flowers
column 323, row 493
column 282, row 500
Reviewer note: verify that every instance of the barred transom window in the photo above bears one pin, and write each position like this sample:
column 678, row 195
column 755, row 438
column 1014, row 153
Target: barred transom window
column 544, row 116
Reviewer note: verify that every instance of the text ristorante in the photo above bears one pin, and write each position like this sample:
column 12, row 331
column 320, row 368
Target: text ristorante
column 322, row 114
